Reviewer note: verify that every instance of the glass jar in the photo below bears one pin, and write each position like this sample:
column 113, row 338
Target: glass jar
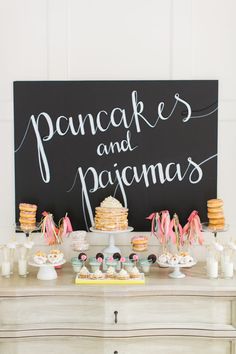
column 76, row 264
column 94, row 264
column 6, row 262
column 212, row 264
column 145, row 265
column 227, row 265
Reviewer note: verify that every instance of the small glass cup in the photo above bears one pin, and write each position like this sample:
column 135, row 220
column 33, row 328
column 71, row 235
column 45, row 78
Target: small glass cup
column 94, row 264
column 145, row 265
column 212, row 267
column 111, row 263
column 24, row 251
column 6, row 262
column 128, row 265
column 22, row 268
column 76, row 264
column 227, row 264
column 12, row 249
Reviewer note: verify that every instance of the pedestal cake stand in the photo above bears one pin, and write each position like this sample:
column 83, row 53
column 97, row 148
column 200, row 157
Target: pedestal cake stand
column 27, row 231
column 111, row 248
column 47, row 270
column 177, row 274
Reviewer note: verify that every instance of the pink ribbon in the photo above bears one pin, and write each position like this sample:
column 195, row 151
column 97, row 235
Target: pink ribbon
column 49, row 228
column 193, row 228
column 155, row 226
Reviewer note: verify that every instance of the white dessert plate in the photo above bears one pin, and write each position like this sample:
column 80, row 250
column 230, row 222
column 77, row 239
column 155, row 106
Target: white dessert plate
column 47, row 264
column 179, row 265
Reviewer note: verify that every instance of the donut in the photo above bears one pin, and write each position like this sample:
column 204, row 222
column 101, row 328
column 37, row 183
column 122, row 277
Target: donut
column 27, row 207
column 215, row 215
column 220, row 221
column 213, row 210
column 215, row 203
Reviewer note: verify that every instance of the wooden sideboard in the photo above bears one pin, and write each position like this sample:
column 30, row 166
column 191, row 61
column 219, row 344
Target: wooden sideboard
column 168, row 316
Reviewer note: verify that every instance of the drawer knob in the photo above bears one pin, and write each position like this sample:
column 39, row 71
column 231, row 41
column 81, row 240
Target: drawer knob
column 116, row 317
column 115, row 352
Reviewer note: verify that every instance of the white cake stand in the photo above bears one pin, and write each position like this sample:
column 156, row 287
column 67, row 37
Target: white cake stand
column 177, row 274
column 112, row 248
column 47, row 270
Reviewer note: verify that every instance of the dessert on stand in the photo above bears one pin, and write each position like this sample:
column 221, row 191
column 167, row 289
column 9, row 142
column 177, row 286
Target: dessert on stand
column 53, row 235
column 218, row 253
column 111, row 218
column 172, row 235
column 27, row 220
column 46, row 270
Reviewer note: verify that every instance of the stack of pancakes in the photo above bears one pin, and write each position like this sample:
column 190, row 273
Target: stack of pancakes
column 111, row 219
column 27, row 216
column 215, row 214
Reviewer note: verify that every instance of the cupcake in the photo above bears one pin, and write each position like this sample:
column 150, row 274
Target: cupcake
column 111, row 273
column 135, row 273
column 97, row 274
column 55, row 256
column 40, row 257
column 123, row 275
column 84, row 273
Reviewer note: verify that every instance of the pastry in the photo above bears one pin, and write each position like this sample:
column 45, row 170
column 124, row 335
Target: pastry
column 185, row 258
column 174, row 260
column 123, row 275
column 139, row 243
column 215, row 214
column 97, row 275
column 84, row 273
column 111, row 273
column 27, row 216
column 135, row 273
column 165, row 257
column 55, row 256
column 40, row 257
column 111, row 215
column 214, row 203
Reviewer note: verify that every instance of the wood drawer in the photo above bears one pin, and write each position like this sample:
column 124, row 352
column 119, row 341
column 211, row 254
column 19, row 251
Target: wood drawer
column 51, row 311
column 98, row 312
column 150, row 311
column 81, row 345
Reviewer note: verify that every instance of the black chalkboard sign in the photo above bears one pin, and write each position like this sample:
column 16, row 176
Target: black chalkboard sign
column 151, row 144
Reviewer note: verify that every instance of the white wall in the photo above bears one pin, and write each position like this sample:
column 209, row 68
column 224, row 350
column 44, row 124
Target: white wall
column 125, row 39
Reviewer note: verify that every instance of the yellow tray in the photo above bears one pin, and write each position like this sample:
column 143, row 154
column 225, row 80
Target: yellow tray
column 110, row 281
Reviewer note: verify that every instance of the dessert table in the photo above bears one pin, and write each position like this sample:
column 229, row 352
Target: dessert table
column 193, row 314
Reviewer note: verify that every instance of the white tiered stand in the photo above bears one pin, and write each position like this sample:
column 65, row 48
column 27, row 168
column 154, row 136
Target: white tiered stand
column 111, row 248
column 47, row 270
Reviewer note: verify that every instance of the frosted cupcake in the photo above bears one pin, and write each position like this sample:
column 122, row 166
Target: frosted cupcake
column 40, row 257
column 111, row 273
column 135, row 273
column 55, row 256
column 84, row 273
column 123, row 275
column 97, row 275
